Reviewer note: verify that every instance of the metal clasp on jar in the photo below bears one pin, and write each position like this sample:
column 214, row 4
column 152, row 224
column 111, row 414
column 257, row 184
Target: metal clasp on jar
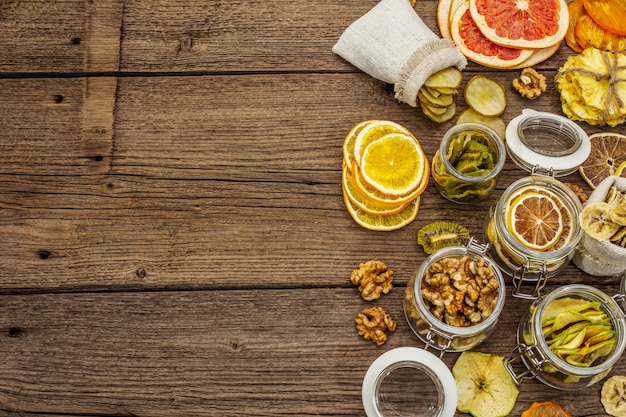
column 520, row 273
column 533, row 367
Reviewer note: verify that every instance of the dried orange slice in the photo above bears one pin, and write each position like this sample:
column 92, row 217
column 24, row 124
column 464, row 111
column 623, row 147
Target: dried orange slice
column 608, row 152
column 521, row 23
column 372, row 131
column 589, row 34
column 534, row 220
column 545, row 409
column 610, row 14
column 348, row 143
column 383, row 223
column 485, row 95
column 374, row 195
column 361, row 201
column 394, row 164
column 477, row 48
column 575, row 9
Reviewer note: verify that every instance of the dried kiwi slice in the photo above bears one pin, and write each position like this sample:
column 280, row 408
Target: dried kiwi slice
column 441, row 234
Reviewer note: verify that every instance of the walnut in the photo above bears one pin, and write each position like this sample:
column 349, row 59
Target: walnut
column 373, row 278
column 580, row 193
column 530, row 84
column 373, row 324
column 460, row 291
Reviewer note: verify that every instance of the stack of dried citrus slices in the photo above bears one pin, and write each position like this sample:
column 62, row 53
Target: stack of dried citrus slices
column 507, row 34
column 598, row 24
column 384, row 172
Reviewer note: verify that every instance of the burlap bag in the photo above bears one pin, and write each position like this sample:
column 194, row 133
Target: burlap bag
column 601, row 258
column 392, row 44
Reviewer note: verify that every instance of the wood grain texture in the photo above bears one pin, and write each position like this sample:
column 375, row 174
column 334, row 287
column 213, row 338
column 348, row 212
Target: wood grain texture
column 211, row 353
column 173, row 238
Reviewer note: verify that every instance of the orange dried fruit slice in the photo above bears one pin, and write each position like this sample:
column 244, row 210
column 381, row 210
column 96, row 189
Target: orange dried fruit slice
column 575, row 9
column 545, row 409
column 477, row 48
column 485, row 95
column 610, row 14
column 361, row 201
column 534, row 220
column 372, row 131
column 521, row 23
column 373, row 194
column 608, row 152
column 348, row 143
column 394, row 164
column 383, row 223
column 589, row 34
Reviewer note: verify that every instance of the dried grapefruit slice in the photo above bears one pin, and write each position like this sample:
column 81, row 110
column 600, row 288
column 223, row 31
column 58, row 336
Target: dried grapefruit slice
column 477, row 48
column 610, row 14
column 608, row 152
column 538, row 56
column 521, row 23
column 443, row 17
column 534, row 220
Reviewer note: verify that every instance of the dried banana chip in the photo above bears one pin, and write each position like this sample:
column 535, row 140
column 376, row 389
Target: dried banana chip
column 614, row 396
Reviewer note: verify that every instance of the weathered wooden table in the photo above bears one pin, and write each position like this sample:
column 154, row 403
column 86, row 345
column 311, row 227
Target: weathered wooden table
column 173, row 236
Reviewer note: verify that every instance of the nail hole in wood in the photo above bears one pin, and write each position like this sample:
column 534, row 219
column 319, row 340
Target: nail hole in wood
column 76, row 41
column 58, row 99
column 43, row 254
column 141, row 273
column 15, row 332
column 98, row 158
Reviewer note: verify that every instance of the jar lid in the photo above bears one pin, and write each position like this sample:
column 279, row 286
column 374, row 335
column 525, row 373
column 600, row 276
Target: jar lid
column 548, row 141
column 409, row 381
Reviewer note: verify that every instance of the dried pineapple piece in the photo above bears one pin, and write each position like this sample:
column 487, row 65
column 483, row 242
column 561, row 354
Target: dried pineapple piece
column 592, row 85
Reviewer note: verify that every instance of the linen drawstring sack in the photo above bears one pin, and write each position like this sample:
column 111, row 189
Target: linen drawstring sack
column 596, row 258
column 392, row 44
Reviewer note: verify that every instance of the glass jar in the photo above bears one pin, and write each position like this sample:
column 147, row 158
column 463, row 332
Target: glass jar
column 433, row 327
column 514, row 256
column 407, row 382
column 468, row 162
column 542, row 363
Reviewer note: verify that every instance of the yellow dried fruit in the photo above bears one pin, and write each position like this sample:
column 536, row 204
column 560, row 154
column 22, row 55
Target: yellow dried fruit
column 485, row 96
column 592, row 85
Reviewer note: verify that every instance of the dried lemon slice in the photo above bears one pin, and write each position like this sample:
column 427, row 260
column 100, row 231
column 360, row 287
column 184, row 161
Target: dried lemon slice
column 595, row 220
column 348, row 143
column 486, row 96
column 372, row 131
column 383, row 223
column 394, row 164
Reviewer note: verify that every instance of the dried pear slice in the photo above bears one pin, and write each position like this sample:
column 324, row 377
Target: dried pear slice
column 442, row 234
column 496, row 123
column 449, row 78
column 485, row 95
column 595, row 220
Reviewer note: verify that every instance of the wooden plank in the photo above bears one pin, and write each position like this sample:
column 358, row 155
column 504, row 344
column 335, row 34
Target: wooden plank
column 212, row 353
column 213, row 182
column 179, row 36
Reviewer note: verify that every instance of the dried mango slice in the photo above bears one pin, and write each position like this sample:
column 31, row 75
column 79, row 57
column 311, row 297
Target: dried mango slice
column 610, row 14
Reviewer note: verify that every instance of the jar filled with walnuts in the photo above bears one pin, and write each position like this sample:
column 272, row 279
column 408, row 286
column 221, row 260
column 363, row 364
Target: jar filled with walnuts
column 454, row 300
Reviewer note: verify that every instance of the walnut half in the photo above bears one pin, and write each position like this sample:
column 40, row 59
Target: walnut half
column 373, row 324
column 530, row 84
column 373, row 278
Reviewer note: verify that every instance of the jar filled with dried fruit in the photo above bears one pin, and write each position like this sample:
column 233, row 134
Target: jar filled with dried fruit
column 533, row 230
column 571, row 338
column 468, row 162
column 454, row 300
